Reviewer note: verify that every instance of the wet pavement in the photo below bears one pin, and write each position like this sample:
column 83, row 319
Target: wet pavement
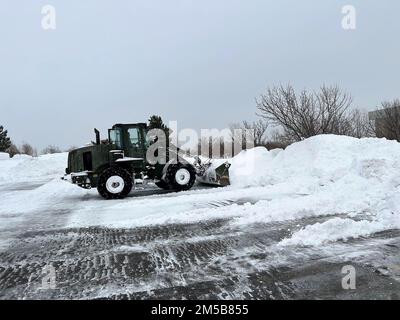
column 212, row 259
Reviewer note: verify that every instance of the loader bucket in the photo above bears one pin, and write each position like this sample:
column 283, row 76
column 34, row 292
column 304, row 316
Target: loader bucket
column 218, row 176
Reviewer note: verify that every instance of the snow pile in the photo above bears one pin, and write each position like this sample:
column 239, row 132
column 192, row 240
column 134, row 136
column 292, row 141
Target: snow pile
column 335, row 175
column 253, row 167
column 4, row 156
column 322, row 159
column 26, row 168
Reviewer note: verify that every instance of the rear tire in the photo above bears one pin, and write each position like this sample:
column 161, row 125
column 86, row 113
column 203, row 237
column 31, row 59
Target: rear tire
column 181, row 177
column 115, row 183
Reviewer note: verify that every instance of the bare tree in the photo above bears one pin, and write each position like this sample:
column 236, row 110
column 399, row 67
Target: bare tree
column 228, row 143
column 360, row 124
column 211, row 147
column 51, row 149
column 278, row 140
column 257, row 130
column 27, row 149
column 306, row 114
column 13, row 150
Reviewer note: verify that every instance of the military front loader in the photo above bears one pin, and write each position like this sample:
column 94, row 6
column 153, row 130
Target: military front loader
column 113, row 165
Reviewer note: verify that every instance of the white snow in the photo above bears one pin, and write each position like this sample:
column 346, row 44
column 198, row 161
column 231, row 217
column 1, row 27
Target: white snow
column 358, row 179
column 338, row 228
column 4, row 156
column 26, row 168
column 336, row 174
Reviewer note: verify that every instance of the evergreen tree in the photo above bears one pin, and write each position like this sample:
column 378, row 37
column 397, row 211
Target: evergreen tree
column 5, row 141
column 156, row 122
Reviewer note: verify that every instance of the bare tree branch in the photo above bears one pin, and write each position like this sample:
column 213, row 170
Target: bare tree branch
column 307, row 114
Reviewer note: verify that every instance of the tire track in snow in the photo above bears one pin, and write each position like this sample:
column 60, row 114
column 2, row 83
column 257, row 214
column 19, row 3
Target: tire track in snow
column 203, row 260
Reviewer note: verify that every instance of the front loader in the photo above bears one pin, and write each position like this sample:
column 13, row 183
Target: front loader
column 112, row 165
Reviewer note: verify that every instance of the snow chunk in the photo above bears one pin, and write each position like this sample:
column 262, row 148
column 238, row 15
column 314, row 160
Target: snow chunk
column 340, row 229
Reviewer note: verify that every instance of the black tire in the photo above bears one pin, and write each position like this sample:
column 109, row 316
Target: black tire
column 163, row 185
column 173, row 180
column 115, row 183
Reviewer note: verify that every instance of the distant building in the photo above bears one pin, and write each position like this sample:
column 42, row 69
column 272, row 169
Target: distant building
column 387, row 122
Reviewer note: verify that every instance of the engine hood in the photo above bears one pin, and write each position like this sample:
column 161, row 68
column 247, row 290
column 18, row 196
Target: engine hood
column 88, row 158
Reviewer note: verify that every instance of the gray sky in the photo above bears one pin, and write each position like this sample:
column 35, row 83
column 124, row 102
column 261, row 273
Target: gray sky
column 200, row 62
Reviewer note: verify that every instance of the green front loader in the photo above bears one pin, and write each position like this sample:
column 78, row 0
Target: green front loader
column 112, row 165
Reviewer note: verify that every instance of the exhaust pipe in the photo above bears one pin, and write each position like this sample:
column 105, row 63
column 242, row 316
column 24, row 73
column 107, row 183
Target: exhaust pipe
column 97, row 133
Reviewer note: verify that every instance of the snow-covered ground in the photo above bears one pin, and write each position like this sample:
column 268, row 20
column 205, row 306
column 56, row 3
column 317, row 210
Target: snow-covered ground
column 324, row 175
column 324, row 189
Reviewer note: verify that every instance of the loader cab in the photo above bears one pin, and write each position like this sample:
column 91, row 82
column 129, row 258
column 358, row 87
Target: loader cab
column 131, row 138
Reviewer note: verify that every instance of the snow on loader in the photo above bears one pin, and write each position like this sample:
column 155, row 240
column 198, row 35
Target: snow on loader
column 112, row 166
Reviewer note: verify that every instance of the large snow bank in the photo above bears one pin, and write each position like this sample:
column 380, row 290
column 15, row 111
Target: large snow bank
column 4, row 156
column 334, row 175
column 26, row 168
column 322, row 159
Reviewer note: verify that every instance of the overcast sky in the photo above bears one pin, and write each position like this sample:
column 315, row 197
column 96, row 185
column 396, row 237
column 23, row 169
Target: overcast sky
column 200, row 62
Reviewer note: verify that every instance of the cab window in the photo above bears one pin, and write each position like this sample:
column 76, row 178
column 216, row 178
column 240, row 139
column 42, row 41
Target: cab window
column 134, row 136
column 115, row 137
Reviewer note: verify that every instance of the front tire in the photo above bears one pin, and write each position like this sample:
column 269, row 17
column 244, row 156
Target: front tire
column 181, row 177
column 115, row 183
